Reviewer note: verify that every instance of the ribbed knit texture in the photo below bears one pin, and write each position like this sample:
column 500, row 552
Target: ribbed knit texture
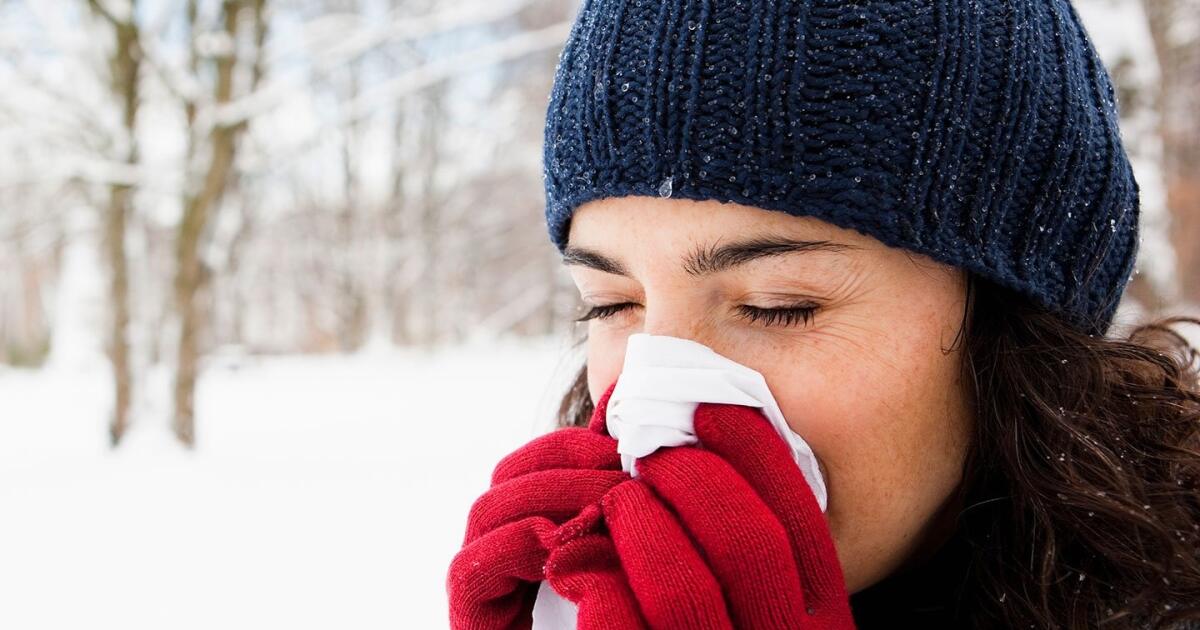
column 982, row 133
column 721, row 535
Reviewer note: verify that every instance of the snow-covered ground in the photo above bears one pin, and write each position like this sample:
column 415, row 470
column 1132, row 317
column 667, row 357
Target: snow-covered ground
column 324, row 492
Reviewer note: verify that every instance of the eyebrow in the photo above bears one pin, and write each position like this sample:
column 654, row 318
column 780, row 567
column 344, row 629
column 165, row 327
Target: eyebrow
column 712, row 259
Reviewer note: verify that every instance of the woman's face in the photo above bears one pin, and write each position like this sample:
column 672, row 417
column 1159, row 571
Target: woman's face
column 865, row 377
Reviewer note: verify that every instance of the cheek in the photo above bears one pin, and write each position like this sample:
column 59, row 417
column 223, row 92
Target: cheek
column 889, row 429
column 605, row 356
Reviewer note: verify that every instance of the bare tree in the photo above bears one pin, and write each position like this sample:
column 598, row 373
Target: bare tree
column 1175, row 31
column 124, row 75
column 201, row 203
column 352, row 235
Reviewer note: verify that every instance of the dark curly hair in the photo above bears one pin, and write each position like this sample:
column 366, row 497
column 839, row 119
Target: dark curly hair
column 1081, row 489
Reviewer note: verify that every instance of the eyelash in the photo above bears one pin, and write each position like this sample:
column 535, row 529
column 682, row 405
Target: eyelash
column 786, row 316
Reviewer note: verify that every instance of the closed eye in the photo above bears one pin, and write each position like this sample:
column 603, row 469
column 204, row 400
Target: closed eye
column 781, row 316
column 784, row 316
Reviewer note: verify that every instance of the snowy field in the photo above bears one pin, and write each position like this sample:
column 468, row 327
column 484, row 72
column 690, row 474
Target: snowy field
column 324, row 493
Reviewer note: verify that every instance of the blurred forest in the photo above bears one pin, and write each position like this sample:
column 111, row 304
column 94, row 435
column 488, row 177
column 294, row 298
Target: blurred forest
column 317, row 176
column 272, row 177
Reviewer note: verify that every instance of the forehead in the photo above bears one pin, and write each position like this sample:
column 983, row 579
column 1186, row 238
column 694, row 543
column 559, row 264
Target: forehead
column 676, row 224
column 669, row 234
column 637, row 237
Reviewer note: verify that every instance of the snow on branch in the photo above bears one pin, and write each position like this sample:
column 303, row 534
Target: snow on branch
column 514, row 47
column 349, row 43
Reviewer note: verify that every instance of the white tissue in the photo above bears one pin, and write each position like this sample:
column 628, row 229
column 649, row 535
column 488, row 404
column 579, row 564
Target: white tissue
column 662, row 382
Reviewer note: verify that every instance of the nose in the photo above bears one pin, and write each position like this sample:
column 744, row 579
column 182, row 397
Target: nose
column 685, row 320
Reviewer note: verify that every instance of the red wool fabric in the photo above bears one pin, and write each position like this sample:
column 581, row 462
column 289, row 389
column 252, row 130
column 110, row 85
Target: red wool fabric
column 723, row 534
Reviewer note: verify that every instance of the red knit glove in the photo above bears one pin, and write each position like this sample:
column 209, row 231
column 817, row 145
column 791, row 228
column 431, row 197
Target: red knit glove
column 560, row 509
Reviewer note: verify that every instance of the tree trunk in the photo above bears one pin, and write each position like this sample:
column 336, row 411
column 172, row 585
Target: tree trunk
column 125, row 70
column 198, row 212
column 1178, row 52
column 118, row 298
column 430, row 206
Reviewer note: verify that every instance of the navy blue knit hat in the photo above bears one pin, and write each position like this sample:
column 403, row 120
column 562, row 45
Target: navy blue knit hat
column 981, row 133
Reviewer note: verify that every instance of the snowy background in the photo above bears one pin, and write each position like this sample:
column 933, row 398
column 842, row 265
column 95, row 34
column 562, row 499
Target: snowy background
column 324, row 493
column 330, row 305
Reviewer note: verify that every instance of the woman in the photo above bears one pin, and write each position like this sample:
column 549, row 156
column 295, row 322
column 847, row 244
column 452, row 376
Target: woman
column 915, row 219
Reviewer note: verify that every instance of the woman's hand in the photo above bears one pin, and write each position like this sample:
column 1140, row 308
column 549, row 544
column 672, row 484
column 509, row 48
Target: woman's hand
column 726, row 534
